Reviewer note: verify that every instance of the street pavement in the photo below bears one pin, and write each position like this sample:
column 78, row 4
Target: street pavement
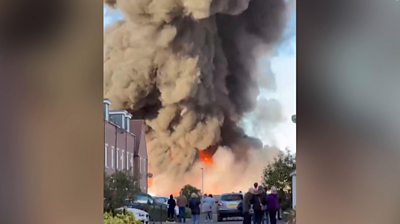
column 226, row 221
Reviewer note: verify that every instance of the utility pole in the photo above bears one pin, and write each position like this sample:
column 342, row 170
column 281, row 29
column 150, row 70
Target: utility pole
column 202, row 181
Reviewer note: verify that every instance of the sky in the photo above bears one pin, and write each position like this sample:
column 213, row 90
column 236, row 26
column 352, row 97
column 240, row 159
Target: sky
column 281, row 66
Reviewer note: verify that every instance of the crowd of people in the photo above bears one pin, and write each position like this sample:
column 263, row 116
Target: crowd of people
column 257, row 205
column 196, row 204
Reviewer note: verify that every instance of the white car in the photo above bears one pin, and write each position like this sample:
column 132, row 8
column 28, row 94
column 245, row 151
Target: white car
column 139, row 215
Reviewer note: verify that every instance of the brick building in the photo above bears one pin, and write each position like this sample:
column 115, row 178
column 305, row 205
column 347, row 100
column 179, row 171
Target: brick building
column 125, row 145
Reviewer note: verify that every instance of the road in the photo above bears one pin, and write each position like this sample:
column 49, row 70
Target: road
column 226, row 221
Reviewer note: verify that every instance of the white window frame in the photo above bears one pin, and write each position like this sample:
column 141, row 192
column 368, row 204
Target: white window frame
column 140, row 164
column 106, row 155
column 117, row 158
column 112, row 156
column 131, row 162
column 122, row 159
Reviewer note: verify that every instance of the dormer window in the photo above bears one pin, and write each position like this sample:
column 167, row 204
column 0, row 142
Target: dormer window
column 121, row 118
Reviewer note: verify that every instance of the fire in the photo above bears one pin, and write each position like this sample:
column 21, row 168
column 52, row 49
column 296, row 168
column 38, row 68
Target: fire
column 150, row 182
column 206, row 158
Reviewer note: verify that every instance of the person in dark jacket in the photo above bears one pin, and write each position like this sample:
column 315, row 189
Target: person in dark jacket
column 266, row 189
column 171, row 207
column 273, row 205
column 259, row 202
column 246, row 205
column 194, row 205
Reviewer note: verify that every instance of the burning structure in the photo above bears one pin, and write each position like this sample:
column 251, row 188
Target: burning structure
column 187, row 68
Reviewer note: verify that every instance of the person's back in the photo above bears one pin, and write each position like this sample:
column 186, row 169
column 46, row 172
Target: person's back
column 208, row 203
column 171, row 207
column 171, row 203
column 194, row 205
column 273, row 202
column 259, row 201
column 273, row 205
column 246, row 204
column 182, row 201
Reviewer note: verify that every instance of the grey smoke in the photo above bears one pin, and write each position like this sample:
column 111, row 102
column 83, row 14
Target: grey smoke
column 188, row 68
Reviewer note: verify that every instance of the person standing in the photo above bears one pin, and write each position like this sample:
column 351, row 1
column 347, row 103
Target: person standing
column 273, row 205
column 194, row 205
column 246, row 206
column 171, row 208
column 209, row 202
column 182, row 203
column 266, row 206
column 259, row 202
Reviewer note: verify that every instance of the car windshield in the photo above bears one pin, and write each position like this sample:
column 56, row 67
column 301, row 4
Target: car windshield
column 161, row 200
column 143, row 199
column 231, row 197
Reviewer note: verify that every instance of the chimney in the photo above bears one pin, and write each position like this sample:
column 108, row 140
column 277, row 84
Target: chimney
column 106, row 107
column 128, row 117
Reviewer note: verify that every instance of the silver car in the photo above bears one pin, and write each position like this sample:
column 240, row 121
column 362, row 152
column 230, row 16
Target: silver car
column 228, row 206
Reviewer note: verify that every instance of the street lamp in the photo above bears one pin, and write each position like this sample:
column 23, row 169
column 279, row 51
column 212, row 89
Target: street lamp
column 202, row 180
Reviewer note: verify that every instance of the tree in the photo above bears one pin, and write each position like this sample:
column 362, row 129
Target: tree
column 118, row 187
column 187, row 190
column 278, row 174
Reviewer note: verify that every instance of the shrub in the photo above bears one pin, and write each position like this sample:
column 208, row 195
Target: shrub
column 117, row 188
column 290, row 216
column 128, row 218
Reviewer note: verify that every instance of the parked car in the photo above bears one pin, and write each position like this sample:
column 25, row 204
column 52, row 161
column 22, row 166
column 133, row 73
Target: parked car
column 164, row 200
column 139, row 215
column 157, row 211
column 228, row 206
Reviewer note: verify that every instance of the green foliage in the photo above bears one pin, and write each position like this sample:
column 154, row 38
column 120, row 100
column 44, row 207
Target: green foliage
column 188, row 213
column 187, row 190
column 289, row 216
column 156, row 213
column 126, row 218
column 117, row 188
column 278, row 174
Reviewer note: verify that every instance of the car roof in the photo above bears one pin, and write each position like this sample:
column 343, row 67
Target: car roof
column 231, row 194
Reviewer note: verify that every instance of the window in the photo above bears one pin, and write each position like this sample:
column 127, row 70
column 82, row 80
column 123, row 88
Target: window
column 231, row 197
column 143, row 199
column 112, row 156
column 127, row 160
column 131, row 160
column 117, row 157
column 140, row 165
column 106, row 155
column 122, row 158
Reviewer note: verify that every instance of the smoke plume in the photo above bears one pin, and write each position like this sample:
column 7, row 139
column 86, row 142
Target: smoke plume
column 188, row 68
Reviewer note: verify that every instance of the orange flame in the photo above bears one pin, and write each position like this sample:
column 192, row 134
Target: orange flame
column 149, row 182
column 206, row 158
